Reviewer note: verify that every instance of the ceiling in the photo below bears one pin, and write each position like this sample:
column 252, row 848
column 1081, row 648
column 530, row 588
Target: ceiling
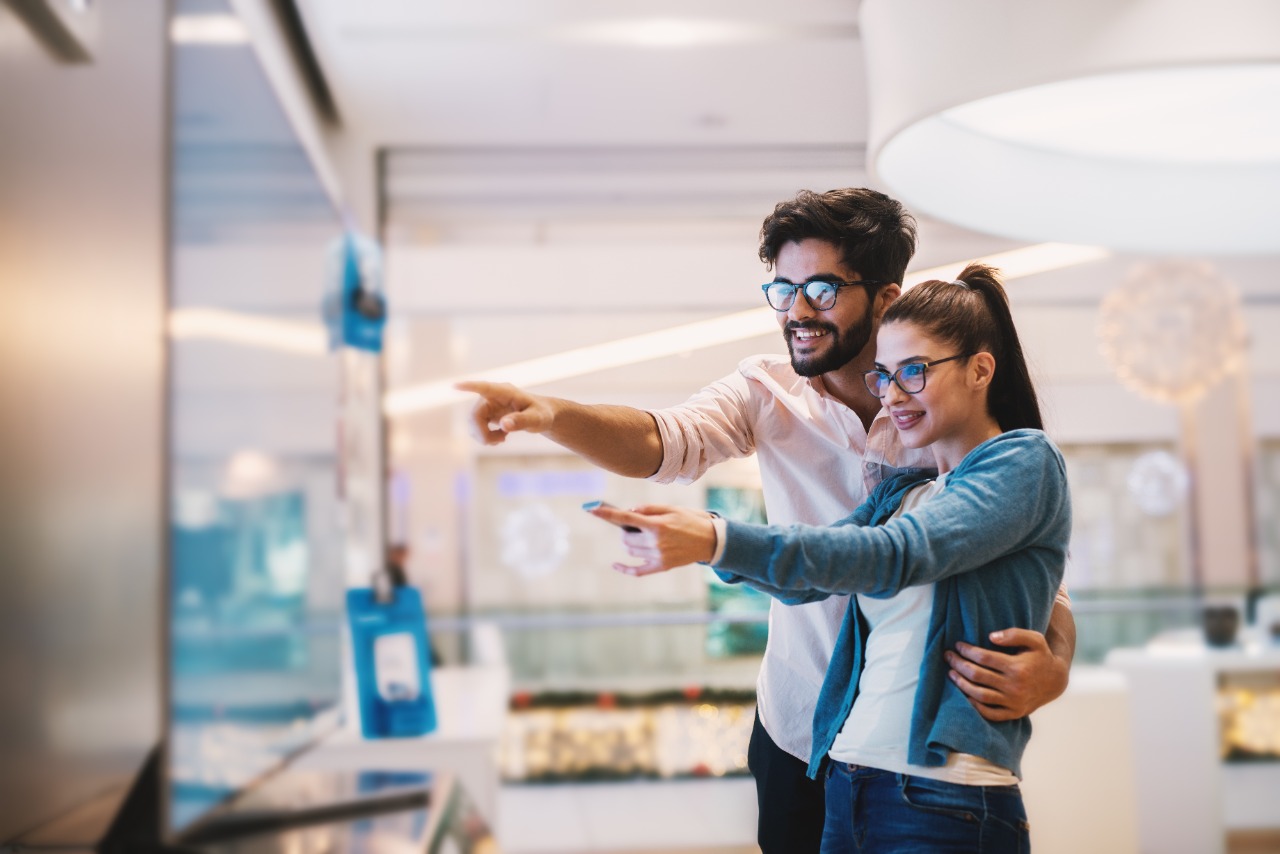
column 581, row 112
column 507, row 129
column 575, row 73
column 642, row 158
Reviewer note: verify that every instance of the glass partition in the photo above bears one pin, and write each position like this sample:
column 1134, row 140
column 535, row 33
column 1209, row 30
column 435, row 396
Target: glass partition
column 257, row 575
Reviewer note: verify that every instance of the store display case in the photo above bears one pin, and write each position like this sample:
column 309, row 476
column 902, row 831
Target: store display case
column 610, row 695
column 1205, row 728
column 661, row 735
column 1248, row 705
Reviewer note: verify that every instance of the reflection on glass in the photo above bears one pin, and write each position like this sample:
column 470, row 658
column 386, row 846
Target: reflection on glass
column 725, row 639
column 256, row 573
column 445, row 821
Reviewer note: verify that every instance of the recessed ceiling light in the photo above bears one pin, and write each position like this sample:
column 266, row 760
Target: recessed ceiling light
column 1216, row 113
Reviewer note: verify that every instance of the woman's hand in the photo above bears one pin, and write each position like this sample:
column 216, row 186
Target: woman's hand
column 667, row 537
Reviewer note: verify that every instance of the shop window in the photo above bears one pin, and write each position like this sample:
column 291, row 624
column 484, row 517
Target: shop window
column 1127, row 566
column 1128, row 517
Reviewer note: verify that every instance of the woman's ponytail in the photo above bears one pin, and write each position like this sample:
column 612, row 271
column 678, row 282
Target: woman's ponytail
column 973, row 313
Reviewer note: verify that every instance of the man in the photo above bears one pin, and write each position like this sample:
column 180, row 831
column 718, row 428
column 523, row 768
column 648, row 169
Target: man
column 822, row 442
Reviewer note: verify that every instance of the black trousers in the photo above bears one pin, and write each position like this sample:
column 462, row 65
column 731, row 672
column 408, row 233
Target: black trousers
column 791, row 805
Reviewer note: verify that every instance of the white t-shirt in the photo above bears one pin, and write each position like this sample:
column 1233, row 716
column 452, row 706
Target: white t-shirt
column 878, row 728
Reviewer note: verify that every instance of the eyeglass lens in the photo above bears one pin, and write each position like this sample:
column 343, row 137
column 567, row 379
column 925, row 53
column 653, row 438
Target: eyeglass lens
column 782, row 295
column 910, row 379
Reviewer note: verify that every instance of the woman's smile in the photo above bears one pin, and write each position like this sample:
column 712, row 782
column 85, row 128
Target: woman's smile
column 905, row 419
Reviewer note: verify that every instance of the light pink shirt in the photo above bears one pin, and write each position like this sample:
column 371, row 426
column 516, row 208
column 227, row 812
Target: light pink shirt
column 817, row 463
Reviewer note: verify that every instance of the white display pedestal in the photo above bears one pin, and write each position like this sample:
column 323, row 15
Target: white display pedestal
column 471, row 708
column 1078, row 776
column 1187, row 797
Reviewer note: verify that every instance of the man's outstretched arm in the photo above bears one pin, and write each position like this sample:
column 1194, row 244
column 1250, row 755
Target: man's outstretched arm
column 619, row 439
column 1004, row 686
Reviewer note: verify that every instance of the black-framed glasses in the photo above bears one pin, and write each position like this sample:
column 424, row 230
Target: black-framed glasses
column 820, row 293
column 909, row 378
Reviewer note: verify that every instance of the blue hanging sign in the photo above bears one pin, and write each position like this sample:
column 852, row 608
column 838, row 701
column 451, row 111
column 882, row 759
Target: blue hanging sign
column 393, row 662
column 355, row 309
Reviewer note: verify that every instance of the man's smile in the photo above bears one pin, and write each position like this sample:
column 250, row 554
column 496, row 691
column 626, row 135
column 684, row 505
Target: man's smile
column 807, row 333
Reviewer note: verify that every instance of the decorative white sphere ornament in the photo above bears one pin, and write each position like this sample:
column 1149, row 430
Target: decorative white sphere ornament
column 1158, row 483
column 1172, row 330
column 534, row 541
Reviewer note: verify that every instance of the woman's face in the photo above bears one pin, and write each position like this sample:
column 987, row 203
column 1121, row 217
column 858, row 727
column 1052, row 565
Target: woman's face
column 950, row 412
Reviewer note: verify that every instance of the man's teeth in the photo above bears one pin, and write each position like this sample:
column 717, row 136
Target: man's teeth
column 808, row 333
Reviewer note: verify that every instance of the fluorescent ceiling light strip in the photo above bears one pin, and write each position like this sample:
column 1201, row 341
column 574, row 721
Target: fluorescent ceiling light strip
column 587, row 360
column 248, row 330
column 1014, row 264
column 667, row 32
column 208, row 29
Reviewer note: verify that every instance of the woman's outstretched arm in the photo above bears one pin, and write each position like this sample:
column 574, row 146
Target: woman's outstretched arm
column 1005, row 499
column 665, row 537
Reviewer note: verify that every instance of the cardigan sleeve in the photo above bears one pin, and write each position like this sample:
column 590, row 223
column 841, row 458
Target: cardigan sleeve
column 786, row 597
column 1001, row 498
column 862, row 515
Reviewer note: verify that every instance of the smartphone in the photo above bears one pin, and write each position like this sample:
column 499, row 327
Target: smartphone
column 592, row 505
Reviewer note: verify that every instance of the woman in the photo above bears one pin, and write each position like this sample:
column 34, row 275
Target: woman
column 932, row 559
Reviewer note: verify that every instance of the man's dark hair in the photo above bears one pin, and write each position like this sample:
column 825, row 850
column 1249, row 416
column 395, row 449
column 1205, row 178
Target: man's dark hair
column 876, row 235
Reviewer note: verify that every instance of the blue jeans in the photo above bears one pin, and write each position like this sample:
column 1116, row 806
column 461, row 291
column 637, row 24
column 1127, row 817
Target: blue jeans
column 870, row 811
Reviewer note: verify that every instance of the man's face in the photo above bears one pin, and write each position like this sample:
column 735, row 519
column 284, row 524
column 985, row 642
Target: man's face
column 822, row 341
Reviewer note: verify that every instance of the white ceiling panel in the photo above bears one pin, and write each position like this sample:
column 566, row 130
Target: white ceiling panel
column 585, row 73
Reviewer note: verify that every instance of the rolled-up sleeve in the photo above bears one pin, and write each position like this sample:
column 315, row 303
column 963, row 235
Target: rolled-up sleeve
column 711, row 426
column 1063, row 598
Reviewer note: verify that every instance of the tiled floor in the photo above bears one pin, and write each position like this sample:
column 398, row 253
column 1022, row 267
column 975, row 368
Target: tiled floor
column 675, row 817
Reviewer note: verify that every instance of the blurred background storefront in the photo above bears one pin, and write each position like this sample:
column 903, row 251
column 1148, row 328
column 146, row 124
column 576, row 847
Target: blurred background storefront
column 568, row 198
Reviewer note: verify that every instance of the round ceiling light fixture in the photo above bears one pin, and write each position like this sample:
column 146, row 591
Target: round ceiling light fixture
column 1149, row 126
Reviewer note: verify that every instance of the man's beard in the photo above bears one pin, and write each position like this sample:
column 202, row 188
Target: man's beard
column 845, row 346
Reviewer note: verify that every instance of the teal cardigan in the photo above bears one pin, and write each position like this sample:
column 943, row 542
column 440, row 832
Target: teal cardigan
column 993, row 541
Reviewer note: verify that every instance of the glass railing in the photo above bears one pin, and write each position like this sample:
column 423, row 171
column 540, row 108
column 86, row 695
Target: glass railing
column 674, row 648
column 670, row 693
column 1107, row 619
column 611, row 651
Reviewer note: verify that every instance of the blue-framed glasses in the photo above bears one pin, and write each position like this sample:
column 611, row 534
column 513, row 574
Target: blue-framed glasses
column 909, row 378
column 820, row 293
